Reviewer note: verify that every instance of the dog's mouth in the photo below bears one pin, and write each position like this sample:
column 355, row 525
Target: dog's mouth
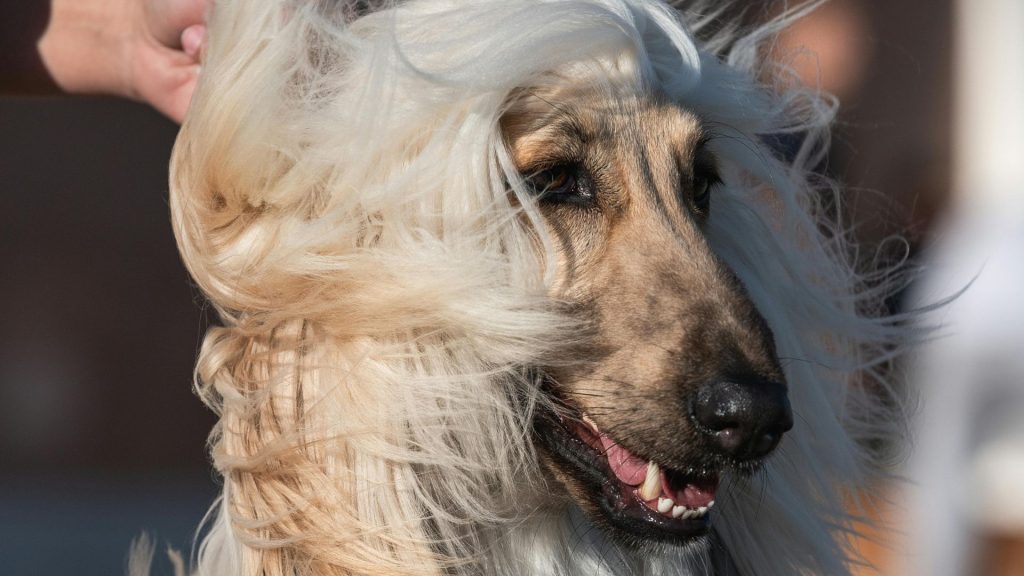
column 638, row 497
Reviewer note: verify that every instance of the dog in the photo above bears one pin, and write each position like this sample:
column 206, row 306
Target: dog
column 521, row 287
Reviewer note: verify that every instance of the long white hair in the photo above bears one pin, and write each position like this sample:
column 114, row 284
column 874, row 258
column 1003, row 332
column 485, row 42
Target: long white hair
column 341, row 193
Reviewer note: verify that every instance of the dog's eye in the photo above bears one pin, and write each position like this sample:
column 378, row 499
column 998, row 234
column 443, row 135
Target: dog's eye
column 562, row 184
column 704, row 181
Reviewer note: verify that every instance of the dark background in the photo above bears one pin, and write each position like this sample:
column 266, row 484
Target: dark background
column 101, row 437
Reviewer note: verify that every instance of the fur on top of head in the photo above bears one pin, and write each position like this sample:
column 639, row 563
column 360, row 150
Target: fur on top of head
column 343, row 194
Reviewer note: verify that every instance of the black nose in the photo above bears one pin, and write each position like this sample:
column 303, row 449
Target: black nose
column 744, row 420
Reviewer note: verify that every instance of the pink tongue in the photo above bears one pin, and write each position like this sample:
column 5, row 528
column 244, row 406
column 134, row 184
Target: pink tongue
column 698, row 494
column 627, row 467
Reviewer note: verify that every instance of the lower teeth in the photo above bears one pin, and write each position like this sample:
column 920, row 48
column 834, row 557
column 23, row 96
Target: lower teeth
column 668, row 507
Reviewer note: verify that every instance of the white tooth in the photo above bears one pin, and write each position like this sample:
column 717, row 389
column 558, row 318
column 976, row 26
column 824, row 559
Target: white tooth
column 710, row 504
column 702, row 510
column 665, row 504
column 689, row 514
column 677, row 511
column 591, row 422
column 652, row 484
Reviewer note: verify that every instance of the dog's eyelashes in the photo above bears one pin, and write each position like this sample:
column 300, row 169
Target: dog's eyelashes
column 561, row 184
column 558, row 180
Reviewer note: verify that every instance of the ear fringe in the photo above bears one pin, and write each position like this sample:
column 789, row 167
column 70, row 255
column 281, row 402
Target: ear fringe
column 299, row 496
column 140, row 558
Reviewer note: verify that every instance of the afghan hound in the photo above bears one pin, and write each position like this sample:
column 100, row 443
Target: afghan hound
column 522, row 287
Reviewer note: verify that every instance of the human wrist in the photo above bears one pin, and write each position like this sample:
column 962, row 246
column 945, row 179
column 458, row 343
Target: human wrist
column 85, row 47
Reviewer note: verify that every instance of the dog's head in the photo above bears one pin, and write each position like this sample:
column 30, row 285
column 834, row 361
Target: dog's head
column 674, row 378
column 486, row 259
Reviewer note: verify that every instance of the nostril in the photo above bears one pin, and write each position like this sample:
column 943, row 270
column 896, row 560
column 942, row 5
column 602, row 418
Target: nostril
column 763, row 443
column 745, row 420
column 729, row 439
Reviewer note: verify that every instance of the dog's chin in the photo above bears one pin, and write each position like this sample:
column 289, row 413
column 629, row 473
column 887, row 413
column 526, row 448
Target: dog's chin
column 633, row 509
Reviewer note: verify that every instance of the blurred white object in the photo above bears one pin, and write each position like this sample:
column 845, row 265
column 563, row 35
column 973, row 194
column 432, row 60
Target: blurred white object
column 969, row 453
column 989, row 126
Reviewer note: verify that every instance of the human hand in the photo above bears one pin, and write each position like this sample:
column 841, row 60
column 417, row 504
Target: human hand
column 165, row 66
column 147, row 50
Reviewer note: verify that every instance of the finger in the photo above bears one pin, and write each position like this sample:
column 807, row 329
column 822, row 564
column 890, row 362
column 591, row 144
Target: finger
column 192, row 40
column 168, row 18
column 178, row 101
column 165, row 79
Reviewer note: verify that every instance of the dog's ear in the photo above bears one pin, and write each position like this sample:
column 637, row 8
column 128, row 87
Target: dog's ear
column 299, row 484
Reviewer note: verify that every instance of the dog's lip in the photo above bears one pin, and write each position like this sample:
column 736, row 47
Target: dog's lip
column 580, row 446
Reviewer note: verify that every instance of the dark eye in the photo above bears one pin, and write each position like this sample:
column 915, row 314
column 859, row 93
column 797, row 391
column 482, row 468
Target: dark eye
column 561, row 184
column 704, row 181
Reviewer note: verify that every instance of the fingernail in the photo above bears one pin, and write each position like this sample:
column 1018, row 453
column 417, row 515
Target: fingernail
column 192, row 39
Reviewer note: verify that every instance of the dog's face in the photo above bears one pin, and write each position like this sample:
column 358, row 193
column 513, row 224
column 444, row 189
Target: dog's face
column 677, row 380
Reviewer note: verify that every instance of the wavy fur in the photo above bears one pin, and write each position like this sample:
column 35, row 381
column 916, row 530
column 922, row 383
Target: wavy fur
column 339, row 192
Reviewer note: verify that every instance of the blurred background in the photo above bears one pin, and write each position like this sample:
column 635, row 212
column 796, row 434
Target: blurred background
column 100, row 435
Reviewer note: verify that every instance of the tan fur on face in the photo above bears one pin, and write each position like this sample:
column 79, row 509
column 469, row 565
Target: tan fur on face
column 667, row 315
